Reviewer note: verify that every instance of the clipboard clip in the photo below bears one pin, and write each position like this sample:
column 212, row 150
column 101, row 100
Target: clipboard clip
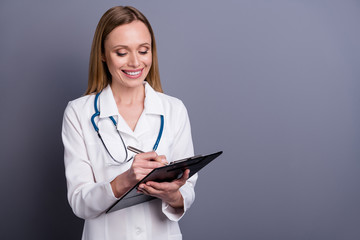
column 183, row 160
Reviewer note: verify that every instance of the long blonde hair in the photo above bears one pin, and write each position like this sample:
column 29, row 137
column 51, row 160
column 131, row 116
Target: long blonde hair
column 99, row 75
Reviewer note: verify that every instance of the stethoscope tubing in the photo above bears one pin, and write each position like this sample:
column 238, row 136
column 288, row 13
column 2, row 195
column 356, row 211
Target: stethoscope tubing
column 97, row 113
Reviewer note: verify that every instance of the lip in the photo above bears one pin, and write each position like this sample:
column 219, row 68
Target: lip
column 133, row 73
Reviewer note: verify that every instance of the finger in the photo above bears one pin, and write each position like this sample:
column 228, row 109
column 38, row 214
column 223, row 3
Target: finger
column 146, row 164
column 139, row 189
column 186, row 174
column 143, row 189
column 149, row 190
column 140, row 173
column 184, row 177
column 145, row 156
column 152, row 157
column 164, row 186
column 169, row 186
column 161, row 159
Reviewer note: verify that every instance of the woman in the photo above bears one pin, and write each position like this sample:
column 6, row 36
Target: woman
column 125, row 105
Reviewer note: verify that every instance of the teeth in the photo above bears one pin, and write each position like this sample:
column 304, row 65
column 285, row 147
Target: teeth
column 133, row 73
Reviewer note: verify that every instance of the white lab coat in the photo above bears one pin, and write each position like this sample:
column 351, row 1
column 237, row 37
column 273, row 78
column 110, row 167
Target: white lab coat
column 89, row 169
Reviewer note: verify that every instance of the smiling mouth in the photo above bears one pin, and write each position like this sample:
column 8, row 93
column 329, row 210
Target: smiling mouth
column 133, row 73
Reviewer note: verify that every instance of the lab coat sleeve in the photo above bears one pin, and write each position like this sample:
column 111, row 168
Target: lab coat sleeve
column 86, row 197
column 183, row 147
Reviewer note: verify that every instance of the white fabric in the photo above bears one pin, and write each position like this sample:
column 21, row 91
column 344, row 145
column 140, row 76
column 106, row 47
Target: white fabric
column 89, row 169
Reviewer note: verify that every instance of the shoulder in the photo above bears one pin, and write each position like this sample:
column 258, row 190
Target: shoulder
column 169, row 101
column 80, row 106
column 82, row 101
column 157, row 102
column 174, row 109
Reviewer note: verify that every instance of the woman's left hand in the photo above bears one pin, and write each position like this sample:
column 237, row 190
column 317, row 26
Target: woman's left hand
column 166, row 191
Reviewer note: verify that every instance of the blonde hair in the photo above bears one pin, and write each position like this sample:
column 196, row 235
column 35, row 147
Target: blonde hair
column 99, row 75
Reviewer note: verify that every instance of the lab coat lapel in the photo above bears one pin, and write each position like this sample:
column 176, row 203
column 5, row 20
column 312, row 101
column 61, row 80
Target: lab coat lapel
column 153, row 103
column 142, row 126
column 152, row 106
column 108, row 108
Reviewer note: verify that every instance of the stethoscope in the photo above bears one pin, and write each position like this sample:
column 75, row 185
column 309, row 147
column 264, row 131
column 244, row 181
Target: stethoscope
column 97, row 113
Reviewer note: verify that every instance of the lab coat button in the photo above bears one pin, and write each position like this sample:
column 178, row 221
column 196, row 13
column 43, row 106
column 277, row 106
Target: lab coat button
column 138, row 231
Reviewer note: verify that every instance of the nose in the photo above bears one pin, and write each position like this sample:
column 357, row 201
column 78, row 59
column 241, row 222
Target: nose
column 133, row 60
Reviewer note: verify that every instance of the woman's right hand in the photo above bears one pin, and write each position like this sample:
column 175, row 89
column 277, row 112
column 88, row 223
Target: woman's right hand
column 142, row 165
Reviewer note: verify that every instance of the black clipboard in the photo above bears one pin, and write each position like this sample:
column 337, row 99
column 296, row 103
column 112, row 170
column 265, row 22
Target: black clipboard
column 162, row 174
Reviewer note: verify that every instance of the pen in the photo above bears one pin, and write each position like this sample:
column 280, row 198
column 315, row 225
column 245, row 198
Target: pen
column 137, row 151
column 134, row 150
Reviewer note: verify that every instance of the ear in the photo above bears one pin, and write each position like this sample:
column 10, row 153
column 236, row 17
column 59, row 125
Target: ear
column 103, row 58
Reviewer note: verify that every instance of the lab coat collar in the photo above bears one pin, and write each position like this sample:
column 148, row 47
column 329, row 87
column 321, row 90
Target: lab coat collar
column 109, row 108
column 152, row 105
column 107, row 103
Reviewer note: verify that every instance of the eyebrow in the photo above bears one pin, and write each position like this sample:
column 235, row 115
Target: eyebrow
column 125, row 46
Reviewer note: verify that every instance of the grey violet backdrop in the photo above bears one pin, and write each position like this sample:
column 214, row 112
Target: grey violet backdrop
column 274, row 84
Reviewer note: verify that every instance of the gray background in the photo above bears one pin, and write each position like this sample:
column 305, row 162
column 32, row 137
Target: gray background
column 274, row 84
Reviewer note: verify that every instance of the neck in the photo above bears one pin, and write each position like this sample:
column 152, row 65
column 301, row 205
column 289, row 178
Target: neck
column 128, row 95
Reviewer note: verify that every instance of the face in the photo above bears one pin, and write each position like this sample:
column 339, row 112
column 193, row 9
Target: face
column 128, row 54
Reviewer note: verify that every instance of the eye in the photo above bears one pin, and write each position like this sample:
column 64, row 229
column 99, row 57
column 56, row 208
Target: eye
column 120, row 54
column 143, row 52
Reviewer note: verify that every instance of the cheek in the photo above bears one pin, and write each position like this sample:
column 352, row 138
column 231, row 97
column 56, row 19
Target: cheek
column 147, row 60
column 114, row 63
